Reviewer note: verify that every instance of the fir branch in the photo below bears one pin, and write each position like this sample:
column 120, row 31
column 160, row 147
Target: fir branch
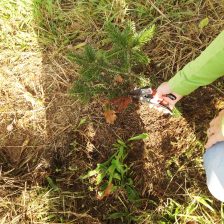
column 145, row 36
column 99, row 67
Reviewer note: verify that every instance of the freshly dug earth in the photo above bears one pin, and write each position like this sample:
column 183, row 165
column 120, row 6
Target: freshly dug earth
column 41, row 141
column 162, row 165
column 45, row 141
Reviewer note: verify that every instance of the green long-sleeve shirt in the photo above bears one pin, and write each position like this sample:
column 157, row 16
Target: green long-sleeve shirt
column 205, row 69
column 202, row 71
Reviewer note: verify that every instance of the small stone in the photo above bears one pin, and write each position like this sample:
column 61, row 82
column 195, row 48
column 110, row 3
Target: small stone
column 9, row 127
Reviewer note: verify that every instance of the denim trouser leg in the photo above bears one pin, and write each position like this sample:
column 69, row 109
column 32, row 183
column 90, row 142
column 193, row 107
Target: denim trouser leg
column 214, row 168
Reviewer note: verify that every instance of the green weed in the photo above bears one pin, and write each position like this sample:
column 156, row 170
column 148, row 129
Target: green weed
column 198, row 209
column 113, row 174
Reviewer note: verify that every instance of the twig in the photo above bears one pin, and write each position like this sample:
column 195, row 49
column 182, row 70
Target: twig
column 219, row 90
column 158, row 10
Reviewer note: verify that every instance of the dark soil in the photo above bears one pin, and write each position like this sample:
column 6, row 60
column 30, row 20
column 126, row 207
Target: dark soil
column 162, row 165
column 174, row 142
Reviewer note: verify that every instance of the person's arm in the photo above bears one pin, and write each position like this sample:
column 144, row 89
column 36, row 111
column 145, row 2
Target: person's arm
column 205, row 69
column 202, row 71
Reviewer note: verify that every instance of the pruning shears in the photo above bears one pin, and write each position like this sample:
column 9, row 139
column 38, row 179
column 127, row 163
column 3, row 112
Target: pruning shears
column 146, row 94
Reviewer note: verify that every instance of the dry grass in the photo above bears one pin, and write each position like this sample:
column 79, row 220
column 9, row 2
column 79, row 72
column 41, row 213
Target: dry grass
column 39, row 136
column 37, row 116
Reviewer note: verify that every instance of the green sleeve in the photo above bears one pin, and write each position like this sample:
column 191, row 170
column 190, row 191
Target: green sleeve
column 202, row 71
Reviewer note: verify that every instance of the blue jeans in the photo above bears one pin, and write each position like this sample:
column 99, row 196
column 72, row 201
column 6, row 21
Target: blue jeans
column 214, row 168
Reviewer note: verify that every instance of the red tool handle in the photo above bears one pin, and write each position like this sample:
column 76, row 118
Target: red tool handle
column 171, row 96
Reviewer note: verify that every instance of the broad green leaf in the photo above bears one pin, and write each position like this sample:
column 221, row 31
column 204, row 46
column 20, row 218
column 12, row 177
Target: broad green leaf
column 82, row 121
column 103, row 186
column 120, row 155
column 132, row 193
column 203, row 23
column 204, row 202
column 100, row 166
column 90, row 174
column 130, row 181
column 100, row 177
column 110, row 171
column 52, row 184
column 117, row 176
column 139, row 137
column 110, row 179
column 121, row 142
column 118, row 166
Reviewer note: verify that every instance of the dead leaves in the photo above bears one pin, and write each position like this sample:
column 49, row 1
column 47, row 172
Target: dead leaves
column 116, row 105
column 110, row 116
column 118, row 79
column 106, row 192
column 119, row 104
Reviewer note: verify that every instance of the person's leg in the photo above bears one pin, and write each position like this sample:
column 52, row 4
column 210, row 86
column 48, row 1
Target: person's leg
column 214, row 168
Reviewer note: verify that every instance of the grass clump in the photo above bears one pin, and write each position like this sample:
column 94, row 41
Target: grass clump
column 196, row 209
column 100, row 68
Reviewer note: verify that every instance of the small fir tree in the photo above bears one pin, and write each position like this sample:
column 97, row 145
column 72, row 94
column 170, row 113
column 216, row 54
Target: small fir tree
column 98, row 68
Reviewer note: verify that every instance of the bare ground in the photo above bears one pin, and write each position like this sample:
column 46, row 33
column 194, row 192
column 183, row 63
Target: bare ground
column 39, row 137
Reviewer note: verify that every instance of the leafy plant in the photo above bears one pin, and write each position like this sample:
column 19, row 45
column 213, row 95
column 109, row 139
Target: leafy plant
column 203, row 23
column 100, row 69
column 113, row 174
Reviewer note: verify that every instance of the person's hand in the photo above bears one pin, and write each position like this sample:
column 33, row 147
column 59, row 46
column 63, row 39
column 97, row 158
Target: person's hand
column 215, row 130
column 161, row 93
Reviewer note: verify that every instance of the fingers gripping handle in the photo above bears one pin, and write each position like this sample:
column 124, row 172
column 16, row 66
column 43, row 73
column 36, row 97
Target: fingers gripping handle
column 165, row 106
